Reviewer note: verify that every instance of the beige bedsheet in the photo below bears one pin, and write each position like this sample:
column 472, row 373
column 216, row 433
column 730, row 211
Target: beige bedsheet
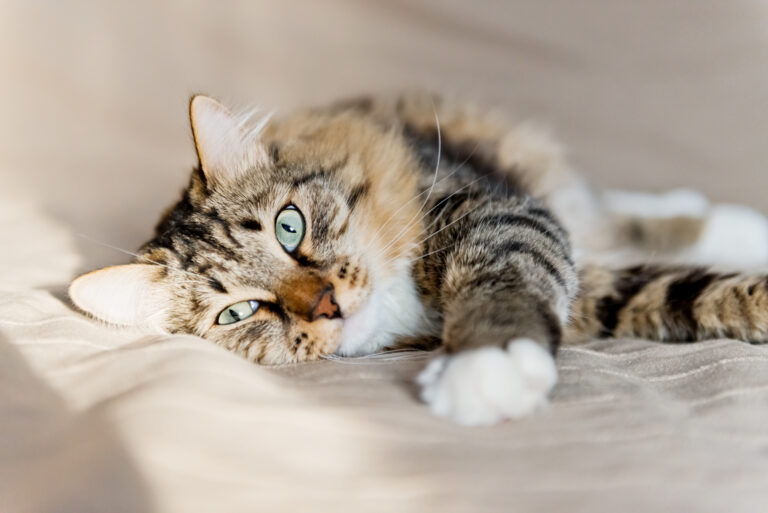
column 93, row 141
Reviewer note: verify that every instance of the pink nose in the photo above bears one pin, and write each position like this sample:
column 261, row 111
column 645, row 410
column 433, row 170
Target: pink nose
column 326, row 306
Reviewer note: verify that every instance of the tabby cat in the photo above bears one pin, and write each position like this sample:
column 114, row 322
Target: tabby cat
column 412, row 221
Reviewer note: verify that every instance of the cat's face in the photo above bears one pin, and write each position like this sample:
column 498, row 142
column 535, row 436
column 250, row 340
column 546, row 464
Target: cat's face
column 279, row 250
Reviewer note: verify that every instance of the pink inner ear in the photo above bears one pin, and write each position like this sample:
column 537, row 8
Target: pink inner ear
column 217, row 136
column 221, row 142
column 128, row 295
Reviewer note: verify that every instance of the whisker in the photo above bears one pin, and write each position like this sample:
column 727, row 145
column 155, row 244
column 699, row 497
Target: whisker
column 391, row 355
column 409, row 224
column 259, row 127
column 136, row 255
column 385, row 223
column 376, row 233
column 451, row 172
column 439, row 152
column 434, row 179
column 420, row 257
column 456, row 168
column 449, row 224
column 384, row 249
column 245, row 117
column 442, row 212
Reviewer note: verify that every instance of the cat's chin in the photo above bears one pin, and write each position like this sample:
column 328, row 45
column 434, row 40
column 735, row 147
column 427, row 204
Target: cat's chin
column 358, row 332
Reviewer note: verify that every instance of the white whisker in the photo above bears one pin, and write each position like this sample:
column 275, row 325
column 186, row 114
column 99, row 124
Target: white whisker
column 420, row 257
column 409, row 224
column 452, row 172
column 386, row 356
column 449, row 224
column 256, row 130
column 431, row 188
column 136, row 255
column 383, row 250
column 245, row 117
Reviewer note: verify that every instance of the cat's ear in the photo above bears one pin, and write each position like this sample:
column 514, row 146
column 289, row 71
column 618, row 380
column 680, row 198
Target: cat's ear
column 128, row 295
column 224, row 149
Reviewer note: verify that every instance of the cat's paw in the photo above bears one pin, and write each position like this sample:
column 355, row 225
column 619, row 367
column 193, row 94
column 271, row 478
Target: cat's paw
column 734, row 236
column 484, row 386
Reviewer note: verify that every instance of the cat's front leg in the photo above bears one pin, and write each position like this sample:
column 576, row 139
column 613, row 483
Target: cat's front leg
column 499, row 362
column 504, row 294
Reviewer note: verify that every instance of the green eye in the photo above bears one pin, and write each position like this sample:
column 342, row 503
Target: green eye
column 289, row 228
column 237, row 312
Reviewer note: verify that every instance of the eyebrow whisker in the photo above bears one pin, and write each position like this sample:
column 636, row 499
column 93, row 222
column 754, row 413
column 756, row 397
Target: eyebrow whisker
column 136, row 255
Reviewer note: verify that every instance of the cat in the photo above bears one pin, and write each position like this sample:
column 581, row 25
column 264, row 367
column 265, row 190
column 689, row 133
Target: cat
column 414, row 221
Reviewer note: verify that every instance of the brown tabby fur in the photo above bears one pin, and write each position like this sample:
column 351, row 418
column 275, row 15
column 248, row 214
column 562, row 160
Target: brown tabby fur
column 476, row 226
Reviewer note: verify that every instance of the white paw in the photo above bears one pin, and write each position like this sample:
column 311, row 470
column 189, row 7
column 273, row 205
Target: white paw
column 677, row 202
column 734, row 236
column 487, row 385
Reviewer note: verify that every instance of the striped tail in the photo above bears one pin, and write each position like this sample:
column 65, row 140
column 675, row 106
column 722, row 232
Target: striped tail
column 669, row 303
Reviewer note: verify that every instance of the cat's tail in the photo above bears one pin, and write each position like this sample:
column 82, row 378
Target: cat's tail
column 669, row 303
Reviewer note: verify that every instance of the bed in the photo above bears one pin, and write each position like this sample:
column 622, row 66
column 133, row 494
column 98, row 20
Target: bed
column 94, row 144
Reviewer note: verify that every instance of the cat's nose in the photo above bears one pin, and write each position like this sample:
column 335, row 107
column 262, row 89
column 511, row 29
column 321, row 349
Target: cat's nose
column 325, row 306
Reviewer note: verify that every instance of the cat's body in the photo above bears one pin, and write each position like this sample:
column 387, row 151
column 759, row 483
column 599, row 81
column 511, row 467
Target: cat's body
column 412, row 221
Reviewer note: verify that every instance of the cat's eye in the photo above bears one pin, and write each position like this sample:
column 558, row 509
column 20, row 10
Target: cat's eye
column 237, row 312
column 289, row 228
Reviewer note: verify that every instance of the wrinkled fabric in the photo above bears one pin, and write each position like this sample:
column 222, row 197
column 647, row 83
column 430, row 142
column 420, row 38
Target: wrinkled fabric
column 94, row 144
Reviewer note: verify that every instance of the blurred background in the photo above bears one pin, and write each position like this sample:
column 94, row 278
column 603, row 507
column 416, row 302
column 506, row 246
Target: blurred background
column 652, row 94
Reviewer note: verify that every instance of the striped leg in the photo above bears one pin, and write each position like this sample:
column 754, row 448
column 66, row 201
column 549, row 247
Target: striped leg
column 503, row 284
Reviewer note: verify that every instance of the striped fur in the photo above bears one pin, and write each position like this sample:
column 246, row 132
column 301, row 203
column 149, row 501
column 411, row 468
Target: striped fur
column 456, row 232
column 672, row 304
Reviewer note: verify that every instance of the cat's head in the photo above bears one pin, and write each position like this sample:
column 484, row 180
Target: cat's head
column 292, row 241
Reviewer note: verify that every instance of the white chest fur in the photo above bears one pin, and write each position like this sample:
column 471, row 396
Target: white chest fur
column 394, row 309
